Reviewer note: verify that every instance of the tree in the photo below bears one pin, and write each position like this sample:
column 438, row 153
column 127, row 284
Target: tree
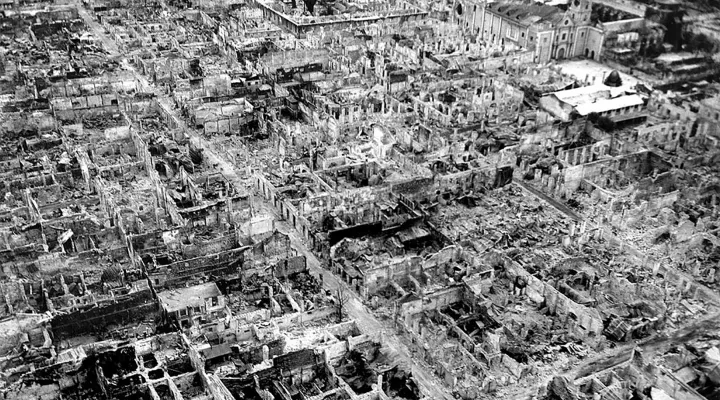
column 654, row 50
column 310, row 5
column 698, row 42
column 341, row 299
column 593, row 117
column 606, row 124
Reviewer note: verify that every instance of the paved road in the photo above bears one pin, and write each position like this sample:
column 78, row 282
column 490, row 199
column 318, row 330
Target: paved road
column 429, row 384
column 98, row 31
column 556, row 204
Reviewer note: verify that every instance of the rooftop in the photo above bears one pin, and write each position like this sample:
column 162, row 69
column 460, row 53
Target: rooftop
column 610, row 104
column 577, row 95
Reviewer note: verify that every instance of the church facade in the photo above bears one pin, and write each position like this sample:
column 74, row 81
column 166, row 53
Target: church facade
column 552, row 32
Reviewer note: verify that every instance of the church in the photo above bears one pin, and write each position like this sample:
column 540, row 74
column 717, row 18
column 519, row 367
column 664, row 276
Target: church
column 553, row 32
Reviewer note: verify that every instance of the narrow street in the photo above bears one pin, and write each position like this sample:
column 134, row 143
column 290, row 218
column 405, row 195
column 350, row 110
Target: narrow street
column 98, row 31
column 554, row 203
column 430, row 385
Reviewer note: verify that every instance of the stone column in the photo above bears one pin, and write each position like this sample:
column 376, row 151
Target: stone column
column 265, row 353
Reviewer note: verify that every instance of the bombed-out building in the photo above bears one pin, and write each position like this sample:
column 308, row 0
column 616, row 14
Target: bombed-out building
column 358, row 200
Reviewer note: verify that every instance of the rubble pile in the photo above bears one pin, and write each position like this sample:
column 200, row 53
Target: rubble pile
column 358, row 200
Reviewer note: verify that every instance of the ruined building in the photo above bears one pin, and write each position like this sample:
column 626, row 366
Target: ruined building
column 359, row 200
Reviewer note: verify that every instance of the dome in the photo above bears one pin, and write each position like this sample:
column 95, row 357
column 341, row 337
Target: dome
column 613, row 79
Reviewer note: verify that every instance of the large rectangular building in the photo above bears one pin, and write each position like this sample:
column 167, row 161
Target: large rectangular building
column 552, row 32
column 299, row 23
column 611, row 102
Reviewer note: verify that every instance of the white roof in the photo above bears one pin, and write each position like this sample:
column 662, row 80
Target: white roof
column 610, row 104
column 588, row 94
column 580, row 91
column 672, row 57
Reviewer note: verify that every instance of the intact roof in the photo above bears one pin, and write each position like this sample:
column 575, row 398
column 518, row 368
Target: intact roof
column 193, row 296
column 579, row 91
column 610, row 104
column 588, row 94
column 527, row 12
column 622, row 50
column 584, row 94
column 675, row 57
